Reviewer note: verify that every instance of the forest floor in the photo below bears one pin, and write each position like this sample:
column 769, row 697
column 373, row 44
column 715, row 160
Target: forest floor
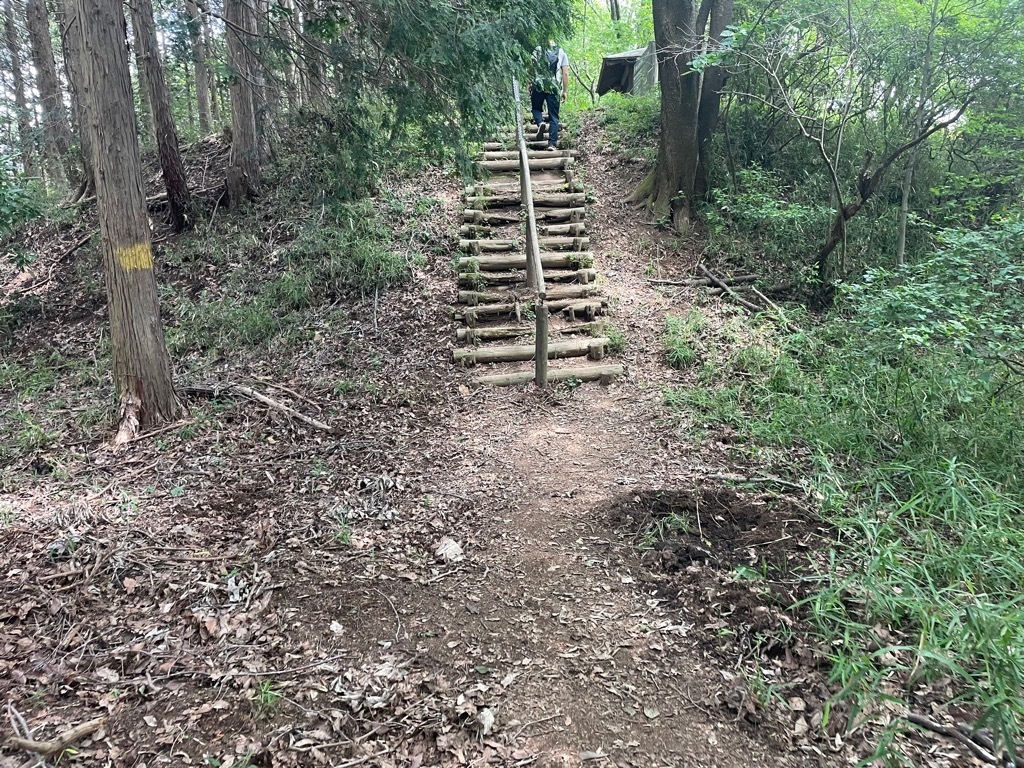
column 450, row 577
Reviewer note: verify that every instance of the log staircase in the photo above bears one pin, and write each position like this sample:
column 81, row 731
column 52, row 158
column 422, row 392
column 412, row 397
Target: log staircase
column 528, row 290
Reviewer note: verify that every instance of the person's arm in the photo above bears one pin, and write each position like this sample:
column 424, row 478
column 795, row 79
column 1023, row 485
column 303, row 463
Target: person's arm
column 565, row 82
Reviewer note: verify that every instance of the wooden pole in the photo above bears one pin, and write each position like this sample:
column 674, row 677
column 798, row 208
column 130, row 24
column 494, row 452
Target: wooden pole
column 542, row 346
column 603, row 373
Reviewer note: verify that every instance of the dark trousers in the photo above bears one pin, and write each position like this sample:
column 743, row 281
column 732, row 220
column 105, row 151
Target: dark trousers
column 537, row 101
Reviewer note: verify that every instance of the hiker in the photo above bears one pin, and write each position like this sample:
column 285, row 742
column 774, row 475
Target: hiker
column 551, row 78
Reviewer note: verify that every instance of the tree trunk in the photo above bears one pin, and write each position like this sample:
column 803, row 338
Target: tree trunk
column 195, row 31
column 145, row 110
column 142, row 367
column 178, row 197
column 712, row 82
column 669, row 189
column 901, row 235
column 312, row 59
column 264, row 95
column 71, row 42
column 55, row 123
column 243, row 164
column 25, row 142
column 215, row 100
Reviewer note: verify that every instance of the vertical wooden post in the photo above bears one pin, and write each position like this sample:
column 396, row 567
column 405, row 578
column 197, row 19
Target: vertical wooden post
column 541, row 341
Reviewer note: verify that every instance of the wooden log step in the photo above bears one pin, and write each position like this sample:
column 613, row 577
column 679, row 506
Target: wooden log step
column 492, row 246
column 493, row 333
column 513, row 154
column 588, row 309
column 560, row 214
column 538, row 164
column 504, row 332
column 602, row 373
column 555, row 260
column 571, row 230
column 495, row 187
column 476, row 298
column 491, row 217
column 540, row 200
column 564, row 243
column 480, row 279
column 475, row 231
column 593, row 348
column 471, row 316
column 510, row 144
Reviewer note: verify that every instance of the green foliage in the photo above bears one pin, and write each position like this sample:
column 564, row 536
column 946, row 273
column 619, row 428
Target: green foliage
column 18, row 202
column 909, row 404
column 631, row 123
column 759, row 218
column 682, row 339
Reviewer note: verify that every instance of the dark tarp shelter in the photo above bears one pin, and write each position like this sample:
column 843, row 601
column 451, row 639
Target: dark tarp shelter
column 634, row 71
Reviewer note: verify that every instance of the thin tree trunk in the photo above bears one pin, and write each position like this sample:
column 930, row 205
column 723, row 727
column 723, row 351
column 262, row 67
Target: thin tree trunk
column 189, row 105
column 71, row 42
column 215, row 97
column 712, row 83
column 288, row 36
column 312, row 59
column 55, row 122
column 195, row 31
column 244, row 161
column 142, row 367
column 266, row 126
column 178, row 197
column 145, row 109
column 25, row 142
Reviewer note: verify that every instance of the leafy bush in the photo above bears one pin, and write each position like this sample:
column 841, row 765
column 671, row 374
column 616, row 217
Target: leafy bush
column 17, row 202
column 910, row 402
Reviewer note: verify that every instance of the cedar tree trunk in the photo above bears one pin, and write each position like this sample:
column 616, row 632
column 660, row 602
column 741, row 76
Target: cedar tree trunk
column 28, row 164
column 71, row 42
column 243, row 163
column 178, row 197
column 195, row 31
column 55, row 123
column 142, row 368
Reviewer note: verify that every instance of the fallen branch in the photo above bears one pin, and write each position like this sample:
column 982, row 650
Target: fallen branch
column 704, row 280
column 59, row 744
column 976, row 749
column 735, row 296
column 216, row 390
column 778, row 310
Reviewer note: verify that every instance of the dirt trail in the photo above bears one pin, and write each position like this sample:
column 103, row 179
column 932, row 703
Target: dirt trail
column 603, row 666
column 244, row 592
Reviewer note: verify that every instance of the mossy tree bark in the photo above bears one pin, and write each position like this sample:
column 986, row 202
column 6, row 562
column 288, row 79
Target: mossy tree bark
column 25, row 142
column 178, row 197
column 244, row 162
column 56, row 130
column 690, row 103
column 141, row 365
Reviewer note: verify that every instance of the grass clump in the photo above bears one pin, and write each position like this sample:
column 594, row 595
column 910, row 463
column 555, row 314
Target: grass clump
column 908, row 402
column 682, row 339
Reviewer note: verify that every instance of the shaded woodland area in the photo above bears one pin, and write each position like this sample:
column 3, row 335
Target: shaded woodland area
column 253, row 514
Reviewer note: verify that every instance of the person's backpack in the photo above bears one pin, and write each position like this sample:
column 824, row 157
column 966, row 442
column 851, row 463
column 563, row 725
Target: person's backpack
column 553, row 56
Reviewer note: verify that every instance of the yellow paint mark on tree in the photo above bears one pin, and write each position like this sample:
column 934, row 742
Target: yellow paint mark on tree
column 138, row 256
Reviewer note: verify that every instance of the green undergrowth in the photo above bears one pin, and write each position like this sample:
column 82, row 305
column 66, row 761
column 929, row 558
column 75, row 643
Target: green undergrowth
column 907, row 401
column 631, row 124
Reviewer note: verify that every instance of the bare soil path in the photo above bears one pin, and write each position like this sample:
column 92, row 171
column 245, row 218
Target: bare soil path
column 246, row 592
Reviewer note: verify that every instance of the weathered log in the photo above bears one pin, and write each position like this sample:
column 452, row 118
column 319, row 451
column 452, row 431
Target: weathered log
column 513, row 154
column 479, row 279
column 591, row 347
column 497, row 188
column 540, row 200
column 471, row 316
column 548, row 260
column 573, row 310
column 593, row 328
column 498, row 146
column 565, row 243
column 539, row 164
column 488, row 246
column 572, row 230
column 560, row 214
column 475, row 231
column 603, row 373
column 558, row 293
column 738, row 279
column 491, row 217
column 493, row 333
